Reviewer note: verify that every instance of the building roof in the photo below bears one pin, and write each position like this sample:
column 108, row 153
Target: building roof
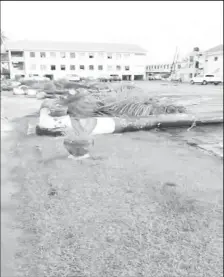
column 217, row 48
column 26, row 45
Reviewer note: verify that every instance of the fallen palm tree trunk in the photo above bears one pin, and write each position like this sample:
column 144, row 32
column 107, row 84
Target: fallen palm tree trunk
column 110, row 125
column 165, row 121
column 120, row 116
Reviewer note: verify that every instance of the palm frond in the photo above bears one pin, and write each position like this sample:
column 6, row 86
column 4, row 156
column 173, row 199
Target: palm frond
column 140, row 108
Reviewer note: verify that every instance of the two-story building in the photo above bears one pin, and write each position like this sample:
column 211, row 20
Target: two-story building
column 213, row 60
column 58, row 59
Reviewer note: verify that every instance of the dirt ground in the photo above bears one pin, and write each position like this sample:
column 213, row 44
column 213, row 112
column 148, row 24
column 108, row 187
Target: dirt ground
column 143, row 205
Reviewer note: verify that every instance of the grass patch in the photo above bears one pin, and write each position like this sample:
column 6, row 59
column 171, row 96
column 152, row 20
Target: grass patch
column 115, row 216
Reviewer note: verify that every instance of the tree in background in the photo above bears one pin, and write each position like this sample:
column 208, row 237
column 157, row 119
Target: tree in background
column 3, row 37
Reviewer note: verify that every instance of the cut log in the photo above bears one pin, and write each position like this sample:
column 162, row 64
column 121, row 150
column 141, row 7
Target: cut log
column 41, row 95
column 31, row 92
column 18, row 91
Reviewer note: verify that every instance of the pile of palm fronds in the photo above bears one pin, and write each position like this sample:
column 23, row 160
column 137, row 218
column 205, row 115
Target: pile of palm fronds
column 140, row 108
column 80, row 104
column 7, row 85
column 84, row 104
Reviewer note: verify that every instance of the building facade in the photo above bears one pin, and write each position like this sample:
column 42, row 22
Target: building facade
column 5, row 72
column 58, row 59
column 194, row 63
column 213, row 60
column 182, row 68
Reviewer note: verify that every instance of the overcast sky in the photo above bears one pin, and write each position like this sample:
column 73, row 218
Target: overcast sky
column 157, row 26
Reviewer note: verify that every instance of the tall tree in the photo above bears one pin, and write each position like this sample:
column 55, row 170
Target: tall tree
column 3, row 37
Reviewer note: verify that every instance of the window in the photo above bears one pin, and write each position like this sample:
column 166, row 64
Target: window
column 127, row 67
column 82, row 54
column 32, row 67
column 52, row 54
column 191, row 59
column 53, row 67
column 179, row 66
column 190, row 75
column 43, row 67
column 82, row 67
column 72, row 67
column 118, row 56
column 32, row 54
column 140, row 54
column 101, row 54
column 42, row 54
column 216, row 59
column 91, row 67
column 100, row 67
column 109, row 56
column 17, row 54
column 62, row 54
column 118, row 67
column 18, row 66
column 196, row 64
column 63, row 67
column 109, row 67
column 72, row 55
column 91, row 55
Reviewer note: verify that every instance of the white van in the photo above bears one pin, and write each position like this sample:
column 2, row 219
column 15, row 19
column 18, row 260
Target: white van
column 207, row 79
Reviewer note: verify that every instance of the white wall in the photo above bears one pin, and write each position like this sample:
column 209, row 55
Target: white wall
column 212, row 65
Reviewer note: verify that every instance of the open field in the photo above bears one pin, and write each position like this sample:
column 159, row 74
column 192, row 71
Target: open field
column 143, row 205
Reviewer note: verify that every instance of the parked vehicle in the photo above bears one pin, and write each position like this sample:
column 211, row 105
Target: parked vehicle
column 151, row 78
column 73, row 78
column 115, row 78
column 34, row 78
column 157, row 77
column 207, row 79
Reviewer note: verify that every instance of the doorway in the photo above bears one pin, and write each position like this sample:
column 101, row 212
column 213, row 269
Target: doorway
column 126, row 77
column 138, row 77
column 50, row 76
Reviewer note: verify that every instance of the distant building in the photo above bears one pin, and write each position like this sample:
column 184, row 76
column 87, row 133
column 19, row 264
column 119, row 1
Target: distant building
column 157, row 69
column 189, row 66
column 58, row 59
column 194, row 63
column 5, row 70
column 213, row 63
column 201, row 62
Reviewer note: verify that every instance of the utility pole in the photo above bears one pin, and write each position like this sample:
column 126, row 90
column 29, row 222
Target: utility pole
column 172, row 70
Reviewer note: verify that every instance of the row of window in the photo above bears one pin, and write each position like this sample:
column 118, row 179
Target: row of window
column 81, row 67
column 72, row 55
column 164, row 66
